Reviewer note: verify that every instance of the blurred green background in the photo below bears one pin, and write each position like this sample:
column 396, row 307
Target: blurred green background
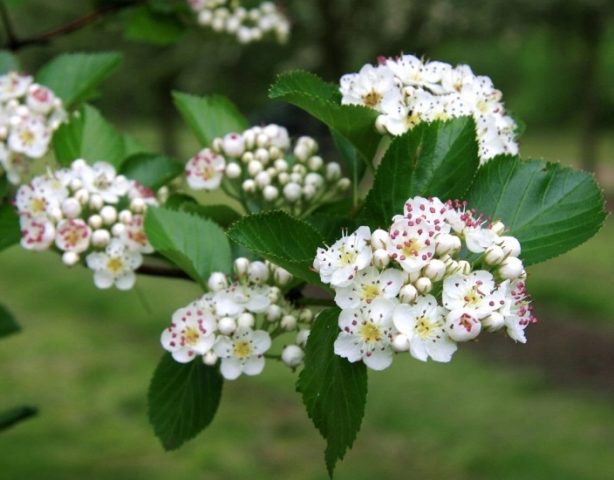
column 500, row 410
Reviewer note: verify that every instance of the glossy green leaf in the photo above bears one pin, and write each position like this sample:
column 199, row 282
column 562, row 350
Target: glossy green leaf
column 223, row 215
column 8, row 62
column 148, row 25
column 549, row 208
column 151, row 170
column 334, row 390
column 183, row 399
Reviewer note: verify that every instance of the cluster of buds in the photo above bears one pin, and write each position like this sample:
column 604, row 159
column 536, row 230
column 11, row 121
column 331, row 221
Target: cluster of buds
column 236, row 321
column 408, row 288
column 88, row 210
column 259, row 164
column 407, row 91
column 29, row 114
column 246, row 24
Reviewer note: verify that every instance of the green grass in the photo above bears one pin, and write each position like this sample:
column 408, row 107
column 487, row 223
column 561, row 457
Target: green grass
column 85, row 358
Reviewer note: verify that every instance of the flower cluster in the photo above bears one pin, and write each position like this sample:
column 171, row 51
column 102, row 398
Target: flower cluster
column 407, row 289
column 88, row 210
column 407, row 91
column 29, row 113
column 246, row 24
column 236, row 321
column 259, row 165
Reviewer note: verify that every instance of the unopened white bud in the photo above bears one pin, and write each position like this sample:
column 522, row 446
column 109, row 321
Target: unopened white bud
column 273, row 313
column 511, row 268
column 510, row 246
column 254, row 168
column 217, row 281
column 204, row 18
column 296, row 177
column 292, row 355
column 495, row 321
column 227, row 325
column 292, row 192
column 233, row 170
column 258, row 272
column 288, row 322
column 56, row 214
column 309, row 191
column 75, row 184
column 400, row 343
column 381, row 258
column 333, row 171
column 96, row 202
column 281, row 165
column 302, row 336
column 108, row 214
column 274, row 153
column 435, row 270
column 380, row 238
column 101, row 238
column 246, row 320
column 249, row 186
column 262, row 155
column 464, row 267
column 343, row 184
column 315, row 162
column 95, row 221
column 210, row 358
column 274, row 294
column 494, row 255
column 70, row 258
column 83, row 196
column 299, row 170
column 408, row 294
column 125, row 216
column 424, row 285
column 118, row 229
column 247, row 157
column 462, row 327
column 71, row 207
column 283, row 178
column 498, row 228
column 314, row 179
column 137, row 205
column 263, row 140
column 446, row 243
column 249, row 137
column 241, row 265
column 282, row 276
column 270, row 193
column 217, row 145
column 263, row 179
column 233, row 145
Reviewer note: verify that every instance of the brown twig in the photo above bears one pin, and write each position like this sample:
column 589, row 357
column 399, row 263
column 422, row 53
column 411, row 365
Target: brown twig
column 162, row 271
column 14, row 43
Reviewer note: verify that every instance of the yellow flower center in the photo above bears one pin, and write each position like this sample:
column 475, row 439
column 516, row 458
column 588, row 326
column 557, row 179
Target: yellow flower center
column 347, row 257
column 242, row 349
column 371, row 99
column 472, row 298
column 423, row 327
column 207, row 172
column 410, row 248
column 191, row 336
column 370, row 292
column 115, row 265
column 37, row 205
column 72, row 237
column 27, row 137
column 369, row 332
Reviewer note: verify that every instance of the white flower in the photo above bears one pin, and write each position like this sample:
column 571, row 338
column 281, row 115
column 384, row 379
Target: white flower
column 517, row 311
column 13, row 85
column 35, row 202
column 30, row 137
column 423, row 324
column 474, row 294
column 134, row 236
column 463, row 325
column 367, row 334
column 369, row 285
column 191, row 332
column 14, row 164
column 36, row 233
column 114, row 266
column 369, row 87
column 101, row 179
column 205, row 170
column 431, row 210
column 73, row 235
column 242, row 353
column 479, row 239
column 239, row 297
column 339, row 263
column 412, row 243
column 40, row 99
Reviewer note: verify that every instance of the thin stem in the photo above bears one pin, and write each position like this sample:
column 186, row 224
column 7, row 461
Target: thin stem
column 162, row 271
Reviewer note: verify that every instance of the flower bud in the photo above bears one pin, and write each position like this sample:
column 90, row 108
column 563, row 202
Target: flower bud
column 302, row 336
column 71, row 207
column 282, row 276
column 380, row 238
column 118, row 229
column 96, row 202
column 494, row 255
column 400, row 343
column 274, row 294
column 511, row 268
column 464, row 267
column 70, row 258
column 249, row 186
column 241, row 265
column 95, row 221
column 408, row 293
column 270, row 193
column 262, row 155
column 258, row 272
column 254, row 168
column 288, row 322
column 210, row 358
column 315, row 162
column 249, row 137
column 82, row 196
column 247, row 157
column 309, row 192
column 263, row 179
column 138, row 205
column 101, row 238
column 343, row 184
column 381, row 258
column 217, row 145
column 217, row 281
column 281, row 165
column 447, row 244
column 273, row 313
column 292, row 356
column 75, row 184
column 510, row 246
column 461, row 326
column 262, row 139
column 274, row 153
column 108, row 214
column 333, row 171
column 305, row 315
column 424, row 285
column 498, row 228
column 314, row 179
column 233, row 145
column 495, row 321
column 227, row 325
column 246, row 320
column 435, row 270
column 233, row 170
column 292, row 192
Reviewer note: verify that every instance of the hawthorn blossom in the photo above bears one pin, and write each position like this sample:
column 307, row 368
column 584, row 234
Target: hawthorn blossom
column 474, row 293
column 369, row 87
column 36, row 233
column 30, row 137
column 114, row 266
column 73, row 235
column 102, row 179
column 243, row 352
column 369, row 285
column 191, row 333
column 239, row 298
column 412, row 243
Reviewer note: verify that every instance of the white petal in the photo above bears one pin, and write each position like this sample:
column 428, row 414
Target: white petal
column 257, row 303
column 347, row 297
column 125, row 281
column 391, row 282
column 231, row 368
column 261, row 342
column 253, row 366
column 342, row 277
column 404, row 319
column 441, row 350
column 103, row 279
column 347, row 346
column 184, row 355
column 223, row 347
column 166, row 338
column 379, row 359
column 417, row 349
column 204, row 344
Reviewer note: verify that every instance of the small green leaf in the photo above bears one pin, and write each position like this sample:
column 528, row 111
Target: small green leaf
column 334, row 390
column 209, row 117
column 10, row 418
column 183, row 399
column 154, row 27
column 177, row 200
column 10, row 231
column 223, row 215
column 549, row 208
column 151, row 170
column 281, row 239
column 196, row 245
column 89, row 136
column 323, row 101
column 439, row 159
column 74, row 77
column 8, row 62
column 8, row 325
column 132, row 146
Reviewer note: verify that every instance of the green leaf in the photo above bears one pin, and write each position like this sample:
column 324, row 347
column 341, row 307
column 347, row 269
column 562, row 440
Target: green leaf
column 334, row 390
column 196, row 245
column 9, row 418
column 4, row 186
column 550, row 209
column 151, row 170
column 439, row 159
column 281, row 239
column 323, row 101
column 132, row 146
column 154, row 27
column 89, row 136
column 183, row 399
column 177, row 200
column 209, row 117
column 8, row 325
column 74, row 77
column 10, row 231
column 8, row 62
column 223, row 215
